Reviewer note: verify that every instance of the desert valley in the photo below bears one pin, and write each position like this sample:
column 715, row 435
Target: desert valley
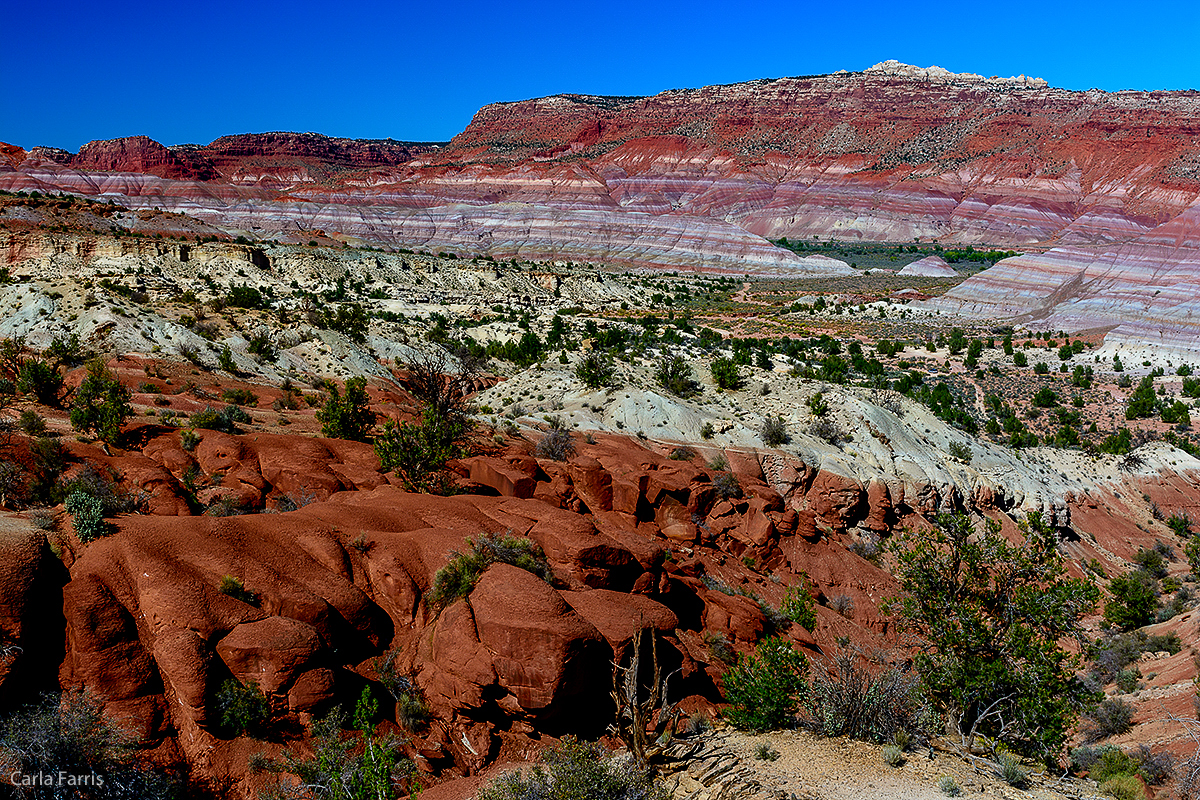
column 813, row 437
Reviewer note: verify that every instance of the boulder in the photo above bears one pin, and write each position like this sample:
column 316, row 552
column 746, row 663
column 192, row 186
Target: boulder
column 549, row 657
column 269, row 653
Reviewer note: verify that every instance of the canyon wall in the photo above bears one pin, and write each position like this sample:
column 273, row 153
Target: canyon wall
column 1092, row 184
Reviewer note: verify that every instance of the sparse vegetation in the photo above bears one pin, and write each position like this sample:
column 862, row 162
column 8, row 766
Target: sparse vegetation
column 774, row 431
column 87, row 516
column 799, row 607
column 575, row 770
column 727, row 485
column 1112, row 717
column 418, row 452
column 232, row 586
column 674, row 374
column 40, row 379
column 557, row 444
column 851, row 697
column 241, row 709
column 764, row 751
column 463, row 570
column 70, row 735
column 725, row 373
column 225, row 420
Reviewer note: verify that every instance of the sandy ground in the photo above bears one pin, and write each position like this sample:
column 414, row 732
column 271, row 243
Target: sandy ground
column 815, row 768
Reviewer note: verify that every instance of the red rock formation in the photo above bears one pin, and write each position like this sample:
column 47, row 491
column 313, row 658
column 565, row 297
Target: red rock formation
column 634, row 541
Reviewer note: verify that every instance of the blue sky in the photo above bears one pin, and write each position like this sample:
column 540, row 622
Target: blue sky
column 181, row 72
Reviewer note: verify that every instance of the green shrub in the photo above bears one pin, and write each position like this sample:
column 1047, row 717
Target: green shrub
column 188, row 439
column 1143, row 402
column 261, row 346
column 1115, row 652
column 40, row 379
column 364, row 767
column 463, row 570
column 101, row 404
column 596, row 370
column 893, row 756
column 720, row 648
column 674, row 374
column 1127, row 680
column 764, row 690
column 348, row 319
column 349, row 417
column 799, row 607
column 225, row 420
column 725, row 373
column 244, row 296
column 1124, row 787
column 948, row 786
column 232, row 586
column 1009, row 770
column 765, row 752
column 727, row 485
column 872, row 703
column 32, row 423
column 225, row 361
column 574, row 770
column 997, row 661
column 1152, row 562
column 557, row 444
column 1045, row 397
column 1134, row 600
column 1112, row 717
column 1110, row 762
column 66, row 351
column 87, row 516
column 828, row 430
column 818, row 405
column 412, row 713
column 241, row 709
column 93, row 483
column 241, row 397
column 774, row 431
column 418, row 453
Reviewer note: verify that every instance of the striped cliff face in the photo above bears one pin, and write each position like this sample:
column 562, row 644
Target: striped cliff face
column 698, row 178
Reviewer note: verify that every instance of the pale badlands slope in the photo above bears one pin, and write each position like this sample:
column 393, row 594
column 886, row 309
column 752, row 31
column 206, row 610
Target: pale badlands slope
column 1107, row 183
column 1145, row 292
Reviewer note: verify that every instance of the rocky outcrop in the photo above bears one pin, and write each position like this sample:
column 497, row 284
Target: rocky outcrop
column 160, row 615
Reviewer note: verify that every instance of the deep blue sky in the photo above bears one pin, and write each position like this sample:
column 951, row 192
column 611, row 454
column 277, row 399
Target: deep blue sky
column 177, row 72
